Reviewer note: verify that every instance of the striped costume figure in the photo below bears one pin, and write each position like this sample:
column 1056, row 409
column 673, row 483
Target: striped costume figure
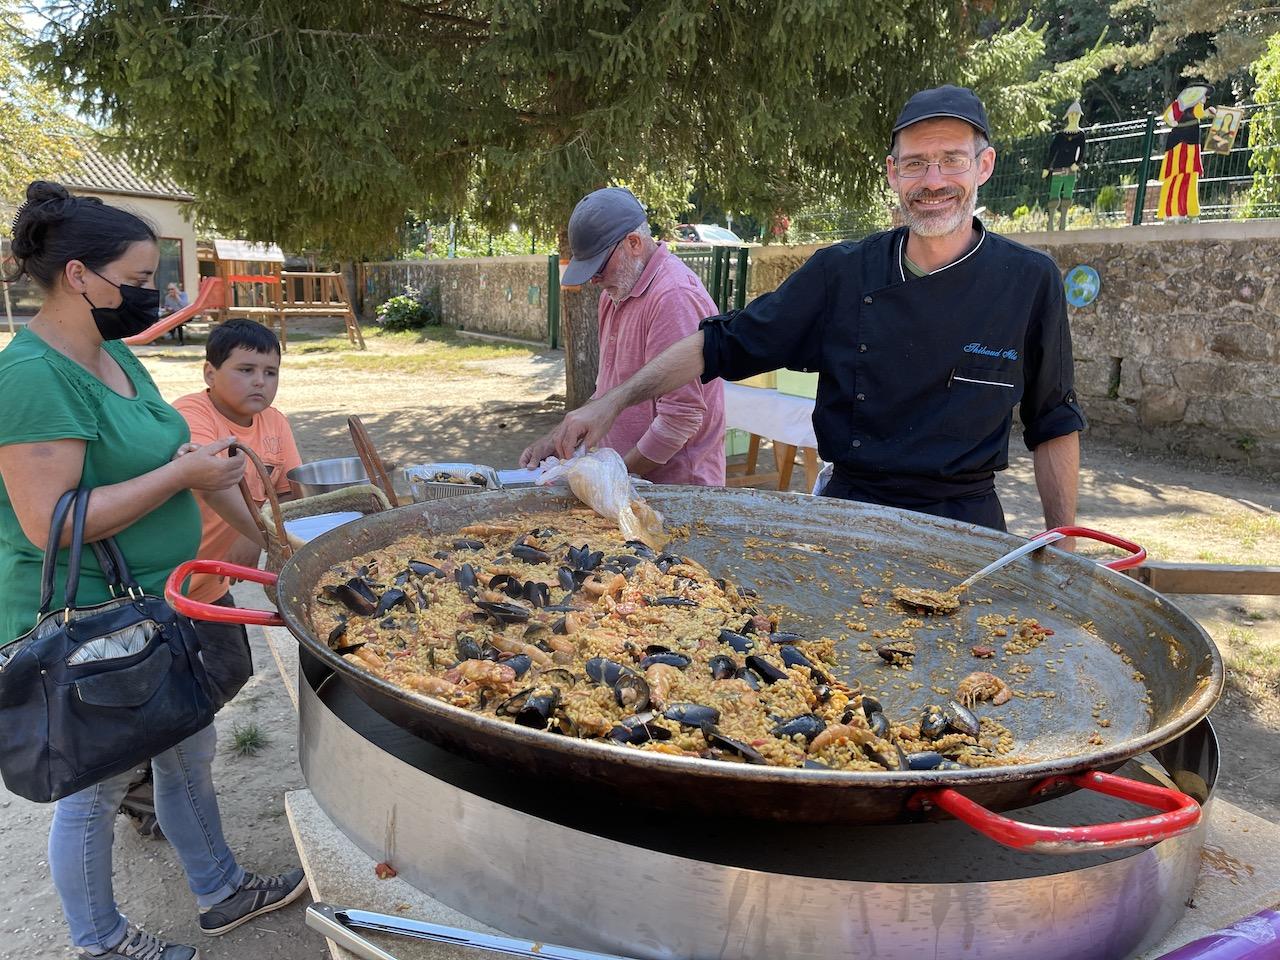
column 1182, row 167
column 1180, row 172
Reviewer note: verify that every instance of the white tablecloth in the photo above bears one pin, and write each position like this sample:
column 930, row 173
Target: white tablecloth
column 770, row 414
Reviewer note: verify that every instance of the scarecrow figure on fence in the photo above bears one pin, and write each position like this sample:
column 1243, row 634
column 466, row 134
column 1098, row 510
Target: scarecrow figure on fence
column 1182, row 168
column 1063, row 161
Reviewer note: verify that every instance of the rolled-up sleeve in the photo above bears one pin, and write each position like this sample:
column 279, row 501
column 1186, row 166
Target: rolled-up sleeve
column 1049, row 407
column 778, row 329
column 678, row 415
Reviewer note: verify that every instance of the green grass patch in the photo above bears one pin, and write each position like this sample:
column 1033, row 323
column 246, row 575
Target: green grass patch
column 1259, row 659
column 247, row 740
column 438, row 351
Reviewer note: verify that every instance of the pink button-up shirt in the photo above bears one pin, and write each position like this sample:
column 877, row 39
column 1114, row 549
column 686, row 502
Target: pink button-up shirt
column 684, row 429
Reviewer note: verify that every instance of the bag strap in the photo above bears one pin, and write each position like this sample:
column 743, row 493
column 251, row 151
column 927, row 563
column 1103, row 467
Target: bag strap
column 50, row 564
column 114, row 567
column 76, row 547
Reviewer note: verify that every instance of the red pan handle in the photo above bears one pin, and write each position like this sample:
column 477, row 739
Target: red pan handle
column 1137, row 552
column 211, row 611
column 1181, row 814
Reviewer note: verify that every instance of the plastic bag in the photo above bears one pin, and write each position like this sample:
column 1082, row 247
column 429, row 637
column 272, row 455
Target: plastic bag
column 599, row 479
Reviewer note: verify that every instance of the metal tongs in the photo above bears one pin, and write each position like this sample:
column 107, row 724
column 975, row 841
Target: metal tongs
column 340, row 926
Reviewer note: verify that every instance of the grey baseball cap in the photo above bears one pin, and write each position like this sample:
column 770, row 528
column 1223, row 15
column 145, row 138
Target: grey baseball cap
column 599, row 221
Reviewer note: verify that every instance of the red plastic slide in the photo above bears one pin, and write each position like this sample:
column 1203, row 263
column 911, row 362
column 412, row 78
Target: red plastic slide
column 207, row 297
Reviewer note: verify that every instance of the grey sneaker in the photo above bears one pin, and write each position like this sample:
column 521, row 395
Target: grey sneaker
column 140, row 945
column 255, row 896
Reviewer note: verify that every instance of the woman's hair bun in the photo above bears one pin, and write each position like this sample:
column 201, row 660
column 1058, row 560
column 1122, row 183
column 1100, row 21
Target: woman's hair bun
column 47, row 203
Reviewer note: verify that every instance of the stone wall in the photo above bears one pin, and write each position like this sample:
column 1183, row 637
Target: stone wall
column 503, row 296
column 1180, row 351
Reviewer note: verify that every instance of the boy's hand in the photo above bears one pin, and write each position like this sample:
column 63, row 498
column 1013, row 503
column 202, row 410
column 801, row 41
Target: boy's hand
column 205, row 469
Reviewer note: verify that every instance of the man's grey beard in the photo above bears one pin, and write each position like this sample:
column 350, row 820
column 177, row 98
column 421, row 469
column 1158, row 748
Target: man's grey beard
column 629, row 275
column 934, row 226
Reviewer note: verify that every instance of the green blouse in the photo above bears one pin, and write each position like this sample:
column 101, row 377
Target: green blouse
column 47, row 396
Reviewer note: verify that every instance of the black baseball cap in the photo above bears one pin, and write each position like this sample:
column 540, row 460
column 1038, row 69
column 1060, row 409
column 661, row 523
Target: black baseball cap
column 599, row 221
column 945, row 101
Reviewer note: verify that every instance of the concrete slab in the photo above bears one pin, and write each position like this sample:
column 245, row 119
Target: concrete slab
column 1240, row 874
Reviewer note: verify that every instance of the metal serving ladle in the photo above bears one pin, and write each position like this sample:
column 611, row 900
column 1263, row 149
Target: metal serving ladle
column 948, row 601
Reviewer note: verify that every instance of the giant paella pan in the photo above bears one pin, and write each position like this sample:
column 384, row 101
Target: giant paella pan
column 1111, row 669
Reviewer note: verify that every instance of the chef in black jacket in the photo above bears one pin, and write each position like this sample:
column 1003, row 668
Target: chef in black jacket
column 925, row 338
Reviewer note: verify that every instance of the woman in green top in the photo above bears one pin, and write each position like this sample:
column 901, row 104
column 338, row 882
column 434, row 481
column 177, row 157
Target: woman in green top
column 80, row 410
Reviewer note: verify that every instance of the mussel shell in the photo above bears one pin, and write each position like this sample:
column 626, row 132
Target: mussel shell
column 924, row 760
column 933, row 722
column 749, row 677
column 559, row 676
column 769, row 672
column 348, row 648
column 631, row 692
column 566, row 579
column 641, row 549
column 879, row 725
column 815, row 765
column 740, row 643
column 520, row 663
column 339, row 631
column 391, row 598
column 672, row 602
column 536, row 593
column 421, row 568
column 722, row 667
column 606, row 671
column 808, row 725
column 466, row 544
column 961, row 719
column 504, row 582
column 626, row 561
column 691, row 714
column 793, row 657
column 871, row 705
column 638, row 728
column 530, row 554
column 671, row 659
column 504, row 612
column 531, row 708
column 951, row 765
column 783, row 636
column 353, row 599
column 896, row 651
column 466, row 576
column 467, row 648
column 718, row 740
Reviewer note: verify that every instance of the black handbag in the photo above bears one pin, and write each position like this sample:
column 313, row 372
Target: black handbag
column 91, row 692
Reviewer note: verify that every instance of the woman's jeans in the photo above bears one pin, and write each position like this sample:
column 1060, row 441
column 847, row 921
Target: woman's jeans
column 83, row 826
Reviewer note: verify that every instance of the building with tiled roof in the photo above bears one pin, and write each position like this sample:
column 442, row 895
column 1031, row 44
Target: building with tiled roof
column 158, row 200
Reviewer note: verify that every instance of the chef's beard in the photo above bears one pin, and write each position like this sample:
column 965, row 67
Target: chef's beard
column 937, row 225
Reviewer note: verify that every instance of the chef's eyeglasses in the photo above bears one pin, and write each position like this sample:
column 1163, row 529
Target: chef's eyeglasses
column 949, row 166
column 604, row 264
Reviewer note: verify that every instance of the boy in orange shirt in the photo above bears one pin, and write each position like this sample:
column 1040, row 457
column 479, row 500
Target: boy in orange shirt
column 242, row 370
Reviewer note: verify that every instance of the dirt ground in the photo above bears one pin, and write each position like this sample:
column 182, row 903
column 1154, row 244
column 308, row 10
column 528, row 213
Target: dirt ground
column 482, row 402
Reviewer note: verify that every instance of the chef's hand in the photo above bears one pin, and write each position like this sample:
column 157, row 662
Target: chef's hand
column 584, row 427
column 537, row 451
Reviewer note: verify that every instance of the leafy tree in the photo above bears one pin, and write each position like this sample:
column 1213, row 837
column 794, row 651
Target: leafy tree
column 319, row 124
column 35, row 134
column 1263, row 199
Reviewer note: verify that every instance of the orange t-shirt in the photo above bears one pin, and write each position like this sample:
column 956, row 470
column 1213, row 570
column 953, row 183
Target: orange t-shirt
column 271, row 439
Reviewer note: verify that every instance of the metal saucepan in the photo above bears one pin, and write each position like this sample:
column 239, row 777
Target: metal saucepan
column 1120, row 653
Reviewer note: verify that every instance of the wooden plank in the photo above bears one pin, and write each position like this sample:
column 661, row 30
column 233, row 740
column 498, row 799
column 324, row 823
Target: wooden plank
column 1215, row 578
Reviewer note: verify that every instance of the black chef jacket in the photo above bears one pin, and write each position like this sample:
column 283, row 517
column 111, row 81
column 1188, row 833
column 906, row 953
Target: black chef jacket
column 918, row 376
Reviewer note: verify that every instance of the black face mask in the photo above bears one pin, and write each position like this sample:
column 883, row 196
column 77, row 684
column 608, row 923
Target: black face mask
column 139, row 308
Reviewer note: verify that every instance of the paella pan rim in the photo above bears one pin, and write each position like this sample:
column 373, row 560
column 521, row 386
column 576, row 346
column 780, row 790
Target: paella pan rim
column 295, row 588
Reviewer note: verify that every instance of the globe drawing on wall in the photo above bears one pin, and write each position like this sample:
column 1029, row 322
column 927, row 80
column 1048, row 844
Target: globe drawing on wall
column 1082, row 285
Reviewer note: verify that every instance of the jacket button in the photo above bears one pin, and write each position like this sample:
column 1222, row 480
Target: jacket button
column 862, row 348
column 862, row 396
column 866, row 299
column 857, row 443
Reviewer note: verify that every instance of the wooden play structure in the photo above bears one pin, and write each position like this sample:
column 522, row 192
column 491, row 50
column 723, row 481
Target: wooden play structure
column 256, row 285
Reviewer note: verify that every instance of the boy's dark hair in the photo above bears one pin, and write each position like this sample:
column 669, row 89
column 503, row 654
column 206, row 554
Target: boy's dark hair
column 249, row 334
column 53, row 228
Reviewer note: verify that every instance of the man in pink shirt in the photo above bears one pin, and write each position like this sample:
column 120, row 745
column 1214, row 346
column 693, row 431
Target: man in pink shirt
column 650, row 300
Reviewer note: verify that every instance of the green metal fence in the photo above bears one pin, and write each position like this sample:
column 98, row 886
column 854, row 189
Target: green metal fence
column 722, row 270
column 1119, row 183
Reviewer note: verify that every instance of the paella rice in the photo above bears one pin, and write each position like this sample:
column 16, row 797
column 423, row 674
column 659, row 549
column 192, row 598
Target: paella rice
column 554, row 621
